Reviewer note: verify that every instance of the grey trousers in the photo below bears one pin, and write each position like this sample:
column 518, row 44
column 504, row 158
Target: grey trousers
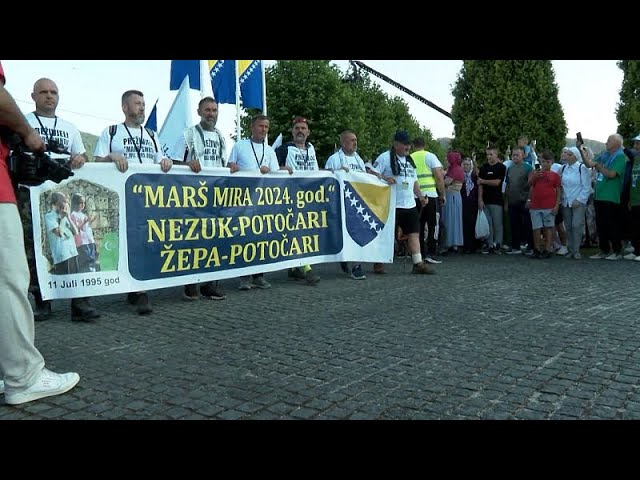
column 494, row 215
column 574, row 219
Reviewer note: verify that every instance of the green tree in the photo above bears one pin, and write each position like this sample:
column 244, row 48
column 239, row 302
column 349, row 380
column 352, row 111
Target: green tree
column 498, row 100
column 628, row 111
column 313, row 89
column 332, row 102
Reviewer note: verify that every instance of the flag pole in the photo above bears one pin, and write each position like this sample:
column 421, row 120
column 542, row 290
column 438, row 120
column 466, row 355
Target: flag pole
column 264, row 89
column 206, row 90
column 238, row 127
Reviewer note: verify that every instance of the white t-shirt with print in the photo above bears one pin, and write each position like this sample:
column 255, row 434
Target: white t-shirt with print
column 340, row 159
column 301, row 160
column 405, row 180
column 129, row 142
column 214, row 152
column 62, row 132
column 249, row 155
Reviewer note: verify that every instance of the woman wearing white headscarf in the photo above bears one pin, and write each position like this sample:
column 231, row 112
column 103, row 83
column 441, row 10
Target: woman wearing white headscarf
column 576, row 188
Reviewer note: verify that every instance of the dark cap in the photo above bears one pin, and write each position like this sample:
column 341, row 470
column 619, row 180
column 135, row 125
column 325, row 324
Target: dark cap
column 299, row 120
column 402, row 137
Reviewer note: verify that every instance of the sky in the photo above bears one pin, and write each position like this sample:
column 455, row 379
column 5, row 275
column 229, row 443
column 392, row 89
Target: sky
column 90, row 90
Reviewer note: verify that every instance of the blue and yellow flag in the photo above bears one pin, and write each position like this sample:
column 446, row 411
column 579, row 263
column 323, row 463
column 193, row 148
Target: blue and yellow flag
column 223, row 80
column 251, row 86
column 184, row 68
column 367, row 210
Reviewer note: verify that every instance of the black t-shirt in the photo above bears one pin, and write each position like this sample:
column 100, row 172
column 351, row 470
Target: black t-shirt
column 492, row 195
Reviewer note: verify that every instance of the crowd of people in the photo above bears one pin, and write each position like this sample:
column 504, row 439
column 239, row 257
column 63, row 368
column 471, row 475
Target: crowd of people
column 551, row 207
column 544, row 204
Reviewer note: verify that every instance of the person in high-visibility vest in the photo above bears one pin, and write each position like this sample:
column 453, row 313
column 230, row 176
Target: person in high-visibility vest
column 431, row 181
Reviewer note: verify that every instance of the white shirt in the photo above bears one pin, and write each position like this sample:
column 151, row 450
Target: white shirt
column 301, row 159
column 249, row 155
column 340, row 159
column 85, row 233
column 507, row 164
column 405, row 180
column 128, row 142
column 210, row 153
column 64, row 247
column 62, row 132
column 576, row 184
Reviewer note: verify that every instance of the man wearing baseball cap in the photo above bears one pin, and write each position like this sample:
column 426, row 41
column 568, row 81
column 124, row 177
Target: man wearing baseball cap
column 396, row 167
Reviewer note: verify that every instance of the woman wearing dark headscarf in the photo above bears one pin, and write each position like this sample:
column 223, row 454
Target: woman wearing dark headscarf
column 469, row 195
column 452, row 210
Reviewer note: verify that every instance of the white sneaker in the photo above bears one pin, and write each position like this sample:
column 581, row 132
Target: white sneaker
column 432, row 260
column 628, row 249
column 598, row 256
column 48, row 384
column 629, row 256
column 614, row 256
column 638, row 258
column 577, row 256
column 562, row 250
column 1, row 387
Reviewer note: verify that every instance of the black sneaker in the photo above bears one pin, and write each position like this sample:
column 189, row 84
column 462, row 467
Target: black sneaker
column 210, row 291
column 485, row 250
column 143, row 306
column 357, row 273
column 296, row 274
column 82, row 311
column 42, row 311
column 311, row 278
column 191, row 292
column 132, row 298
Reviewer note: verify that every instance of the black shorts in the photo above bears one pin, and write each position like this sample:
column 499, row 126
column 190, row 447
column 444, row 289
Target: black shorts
column 407, row 219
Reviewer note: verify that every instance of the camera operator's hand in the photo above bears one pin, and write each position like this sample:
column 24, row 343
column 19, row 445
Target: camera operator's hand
column 166, row 164
column 33, row 141
column 77, row 161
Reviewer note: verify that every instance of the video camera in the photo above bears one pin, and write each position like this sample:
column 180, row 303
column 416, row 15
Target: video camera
column 32, row 169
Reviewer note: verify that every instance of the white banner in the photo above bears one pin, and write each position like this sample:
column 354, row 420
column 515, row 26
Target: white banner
column 102, row 232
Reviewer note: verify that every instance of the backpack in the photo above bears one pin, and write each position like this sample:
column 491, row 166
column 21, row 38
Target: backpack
column 114, row 128
column 579, row 171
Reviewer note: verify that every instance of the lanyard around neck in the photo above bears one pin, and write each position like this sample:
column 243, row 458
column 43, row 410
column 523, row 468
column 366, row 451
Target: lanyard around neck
column 138, row 148
column 256, row 155
column 48, row 138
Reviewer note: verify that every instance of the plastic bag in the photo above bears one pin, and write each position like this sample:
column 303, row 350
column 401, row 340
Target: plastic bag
column 482, row 226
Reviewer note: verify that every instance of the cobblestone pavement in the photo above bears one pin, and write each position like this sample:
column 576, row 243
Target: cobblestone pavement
column 488, row 337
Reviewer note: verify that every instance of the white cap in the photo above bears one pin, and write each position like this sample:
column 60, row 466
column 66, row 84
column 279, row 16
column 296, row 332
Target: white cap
column 636, row 139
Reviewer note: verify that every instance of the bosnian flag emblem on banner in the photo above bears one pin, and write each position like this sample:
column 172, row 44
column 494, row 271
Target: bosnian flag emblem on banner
column 366, row 210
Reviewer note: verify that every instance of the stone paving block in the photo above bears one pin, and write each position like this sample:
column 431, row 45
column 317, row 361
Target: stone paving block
column 231, row 415
column 292, row 348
